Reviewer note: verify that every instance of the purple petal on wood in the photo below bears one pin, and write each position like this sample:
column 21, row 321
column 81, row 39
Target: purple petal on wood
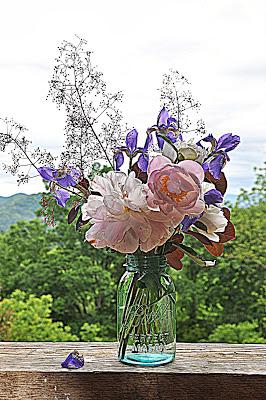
column 205, row 166
column 73, row 361
column 131, row 140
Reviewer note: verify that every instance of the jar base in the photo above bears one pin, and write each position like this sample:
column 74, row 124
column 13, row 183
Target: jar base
column 147, row 360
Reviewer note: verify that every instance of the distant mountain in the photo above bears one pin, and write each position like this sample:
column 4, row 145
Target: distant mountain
column 20, row 206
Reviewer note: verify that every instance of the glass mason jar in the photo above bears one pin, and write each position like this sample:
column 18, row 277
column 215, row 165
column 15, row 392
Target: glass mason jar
column 146, row 312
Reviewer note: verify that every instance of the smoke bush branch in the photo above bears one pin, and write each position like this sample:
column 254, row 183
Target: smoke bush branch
column 20, row 151
column 178, row 99
column 78, row 86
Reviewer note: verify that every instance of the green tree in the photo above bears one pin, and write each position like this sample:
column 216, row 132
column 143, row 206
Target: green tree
column 244, row 332
column 27, row 318
column 234, row 290
column 82, row 280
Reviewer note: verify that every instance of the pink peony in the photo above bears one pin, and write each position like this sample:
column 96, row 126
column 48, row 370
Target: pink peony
column 121, row 217
column 176, row 188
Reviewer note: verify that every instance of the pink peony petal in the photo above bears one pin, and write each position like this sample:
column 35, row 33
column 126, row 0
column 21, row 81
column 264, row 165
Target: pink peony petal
column 157, row 163
column 141, row 227
column 192, row 167
column 159, row 234
column 129, row 244
column 114, row 231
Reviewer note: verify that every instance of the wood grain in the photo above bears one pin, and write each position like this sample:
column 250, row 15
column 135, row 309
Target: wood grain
column 200, row 371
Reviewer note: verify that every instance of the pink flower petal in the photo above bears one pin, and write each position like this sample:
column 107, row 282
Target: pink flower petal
column 159, row 233
column 192, row 167
column 129, row 244
column 157, row 163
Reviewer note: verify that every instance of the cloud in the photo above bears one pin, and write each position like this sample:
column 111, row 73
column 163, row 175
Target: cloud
column 219, row 46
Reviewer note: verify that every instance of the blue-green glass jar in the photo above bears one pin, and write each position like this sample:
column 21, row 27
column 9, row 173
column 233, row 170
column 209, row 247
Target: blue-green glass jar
column 146, row 312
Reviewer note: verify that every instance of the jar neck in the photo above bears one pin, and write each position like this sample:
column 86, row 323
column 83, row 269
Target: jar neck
column 145, row 262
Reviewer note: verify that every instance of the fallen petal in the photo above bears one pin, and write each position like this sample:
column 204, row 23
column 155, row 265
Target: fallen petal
column 73, row 361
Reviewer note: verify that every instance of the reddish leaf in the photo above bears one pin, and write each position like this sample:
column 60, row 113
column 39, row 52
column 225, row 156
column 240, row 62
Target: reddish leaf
column 72, row 214
column 228, row 234
column 170, row 249
column 174, row 259
column 177, row 238
column 143, row 176
column 220, row 184
column 203, row 239
column 84, row 183
column 215, row 249
column 226, row 212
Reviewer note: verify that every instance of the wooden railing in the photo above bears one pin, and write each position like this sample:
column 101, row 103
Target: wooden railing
column 200, row 371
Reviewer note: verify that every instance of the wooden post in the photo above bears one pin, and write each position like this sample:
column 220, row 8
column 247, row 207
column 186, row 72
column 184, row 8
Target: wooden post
column 200, row 371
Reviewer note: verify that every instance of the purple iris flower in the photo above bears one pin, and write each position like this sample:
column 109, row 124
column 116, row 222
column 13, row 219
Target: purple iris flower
column 143, row 162
column 167, row 126
column 208, row 138
column 132, row 150
column 61, row 196
column 218, row 157
column 189, row 220
column 119, row 159
column 73, row 361
column 214, row 197
column 215, row 164
column 227, row 142
column 65, row 176
column 132, row 140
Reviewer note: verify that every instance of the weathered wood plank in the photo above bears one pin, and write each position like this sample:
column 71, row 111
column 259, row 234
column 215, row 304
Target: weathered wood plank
column 201, row 371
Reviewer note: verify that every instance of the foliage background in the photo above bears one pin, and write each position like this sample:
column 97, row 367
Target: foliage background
column 53, row 286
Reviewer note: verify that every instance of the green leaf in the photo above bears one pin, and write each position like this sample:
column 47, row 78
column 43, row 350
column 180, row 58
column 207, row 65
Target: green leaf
column 150, row 281
column 192, row 254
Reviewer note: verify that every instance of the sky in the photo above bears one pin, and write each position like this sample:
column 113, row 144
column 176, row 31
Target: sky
column 220, row 46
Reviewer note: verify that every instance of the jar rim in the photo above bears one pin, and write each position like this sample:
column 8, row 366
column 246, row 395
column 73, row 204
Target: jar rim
column 136, row 262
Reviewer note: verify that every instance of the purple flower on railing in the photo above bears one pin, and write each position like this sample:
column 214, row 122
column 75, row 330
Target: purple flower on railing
column 166, row 126
column 131, row 150
column 73, row 361
column 218, row 157
column 64, row 177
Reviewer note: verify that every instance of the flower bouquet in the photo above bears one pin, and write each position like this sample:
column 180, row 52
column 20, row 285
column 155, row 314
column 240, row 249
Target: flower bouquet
column 150, row 199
